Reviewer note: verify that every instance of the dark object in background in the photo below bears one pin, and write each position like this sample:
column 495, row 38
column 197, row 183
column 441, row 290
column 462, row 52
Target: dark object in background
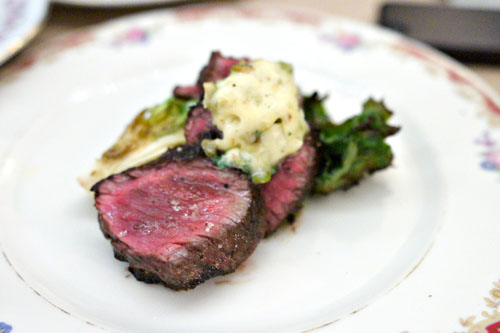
column 466, row 34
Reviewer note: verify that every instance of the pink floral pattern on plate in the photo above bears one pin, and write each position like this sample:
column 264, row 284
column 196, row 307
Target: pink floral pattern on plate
column 344, row 40
column 490, row 323
column 134, row 35
column 491, row 153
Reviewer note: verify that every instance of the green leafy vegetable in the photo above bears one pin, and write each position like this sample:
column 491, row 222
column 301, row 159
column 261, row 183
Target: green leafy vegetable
column 151, row 124
column 150, row 134
column 353, row 148
column 314, row 111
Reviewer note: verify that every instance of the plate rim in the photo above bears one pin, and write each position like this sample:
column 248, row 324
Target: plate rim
column 447, row 61
column 119, row 3
column 25, row 38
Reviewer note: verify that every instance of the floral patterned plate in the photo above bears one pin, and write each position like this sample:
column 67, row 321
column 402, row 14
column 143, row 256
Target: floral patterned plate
column 412, row 249
column 20, row 21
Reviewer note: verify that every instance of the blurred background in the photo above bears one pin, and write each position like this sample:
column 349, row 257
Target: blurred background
column 471, row 36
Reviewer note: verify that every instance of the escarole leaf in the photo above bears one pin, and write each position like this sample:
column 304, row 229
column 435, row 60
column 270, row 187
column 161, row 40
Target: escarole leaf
column 150, row 133
column 314, row 110
column 352, row 149
column 149, row 125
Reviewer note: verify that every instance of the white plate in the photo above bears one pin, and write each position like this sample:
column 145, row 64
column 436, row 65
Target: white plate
column 20, row 21
column 114, row 3
column 412, row 248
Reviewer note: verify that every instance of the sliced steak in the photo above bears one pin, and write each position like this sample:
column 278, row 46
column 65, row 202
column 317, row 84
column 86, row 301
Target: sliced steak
column 189, row 92
column 284, row 193
column 180, row 220
column 199, row 126
column 218, row 68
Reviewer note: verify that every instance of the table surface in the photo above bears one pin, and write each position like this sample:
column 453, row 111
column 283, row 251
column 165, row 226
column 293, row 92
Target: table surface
column 63, row 19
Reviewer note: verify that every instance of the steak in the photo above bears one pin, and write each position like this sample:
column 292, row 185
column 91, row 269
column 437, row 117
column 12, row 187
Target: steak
column 189, row 92
column 199, row 126
column 218, row 68
column 180, row 220
column 284, row 193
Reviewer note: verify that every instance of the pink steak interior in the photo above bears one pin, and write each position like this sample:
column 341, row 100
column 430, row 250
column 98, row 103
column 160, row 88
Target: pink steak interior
column 156, row 211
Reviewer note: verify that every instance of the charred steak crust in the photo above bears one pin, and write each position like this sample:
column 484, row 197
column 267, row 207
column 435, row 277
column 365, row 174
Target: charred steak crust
column 198, row 255
column 217, row 68
column 199, row 126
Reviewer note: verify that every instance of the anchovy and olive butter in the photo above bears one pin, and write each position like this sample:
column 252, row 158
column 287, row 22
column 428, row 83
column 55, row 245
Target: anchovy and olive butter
column 257, row 109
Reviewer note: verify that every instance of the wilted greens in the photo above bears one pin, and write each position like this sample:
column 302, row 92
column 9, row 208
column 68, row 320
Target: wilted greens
column 151, row 124
column 152, row 131
column 351, row 149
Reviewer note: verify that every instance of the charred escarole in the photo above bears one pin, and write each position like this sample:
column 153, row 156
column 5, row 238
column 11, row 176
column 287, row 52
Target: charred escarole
column 352, row 149
column 151, row 132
